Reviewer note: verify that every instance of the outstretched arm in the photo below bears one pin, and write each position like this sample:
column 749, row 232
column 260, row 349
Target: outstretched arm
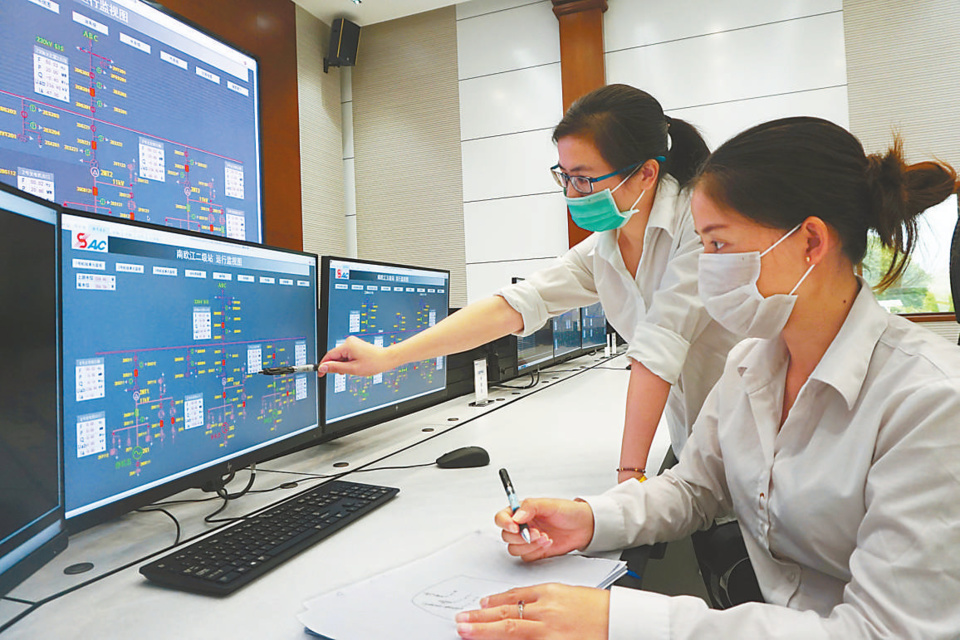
column 474, row 325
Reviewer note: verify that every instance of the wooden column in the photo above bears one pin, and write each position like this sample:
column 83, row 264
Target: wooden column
column 581, row 61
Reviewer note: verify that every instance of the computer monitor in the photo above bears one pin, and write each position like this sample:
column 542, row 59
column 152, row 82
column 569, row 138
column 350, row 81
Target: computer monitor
column 119, row 108
column 593, row 327
column 535, row 351
column 31, row 525
column 164, row 334
column 382, row 304
column 566, row 335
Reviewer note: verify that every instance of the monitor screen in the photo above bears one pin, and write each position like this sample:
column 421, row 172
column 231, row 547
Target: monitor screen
column 535, row 350
column 118, row 108
column 593, row 327
column 382, row 304
column 566, row 334
column 31, row 525
column 164, row 335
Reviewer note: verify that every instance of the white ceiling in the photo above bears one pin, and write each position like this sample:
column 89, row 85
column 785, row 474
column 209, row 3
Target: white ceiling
column 369, row 11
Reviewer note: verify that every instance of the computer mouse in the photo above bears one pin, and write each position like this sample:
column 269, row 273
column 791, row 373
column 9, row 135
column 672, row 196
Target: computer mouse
column 464, row 457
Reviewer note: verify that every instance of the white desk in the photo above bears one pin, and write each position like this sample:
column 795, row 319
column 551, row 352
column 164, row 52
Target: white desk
column 561, row 439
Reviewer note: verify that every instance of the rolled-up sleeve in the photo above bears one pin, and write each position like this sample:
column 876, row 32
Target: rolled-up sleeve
column 675, row 317
column 566, row 285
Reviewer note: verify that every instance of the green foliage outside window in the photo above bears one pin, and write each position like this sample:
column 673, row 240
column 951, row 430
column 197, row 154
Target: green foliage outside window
column 914, row 292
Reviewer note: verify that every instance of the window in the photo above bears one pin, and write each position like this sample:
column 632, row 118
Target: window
column 924, row 286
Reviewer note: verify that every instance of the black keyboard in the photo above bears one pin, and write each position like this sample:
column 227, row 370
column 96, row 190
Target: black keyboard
column 238, row 554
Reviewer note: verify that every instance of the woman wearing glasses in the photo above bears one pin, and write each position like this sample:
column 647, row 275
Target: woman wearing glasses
column 623, row 165
column 832, row 435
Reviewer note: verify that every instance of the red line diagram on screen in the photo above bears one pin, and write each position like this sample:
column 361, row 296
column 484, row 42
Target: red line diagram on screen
column 158, row 416
column 169, row 386
column 103, row 88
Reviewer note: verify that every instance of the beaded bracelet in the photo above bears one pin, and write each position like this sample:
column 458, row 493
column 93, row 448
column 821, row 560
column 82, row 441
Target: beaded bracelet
column 642, row 472
column 633, row 469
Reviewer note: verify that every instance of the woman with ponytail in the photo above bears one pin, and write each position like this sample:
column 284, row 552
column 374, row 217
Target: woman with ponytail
column 831, row 435
column 624, row 167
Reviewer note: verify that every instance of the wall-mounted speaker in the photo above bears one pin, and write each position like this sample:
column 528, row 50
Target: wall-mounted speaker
column 344, row 40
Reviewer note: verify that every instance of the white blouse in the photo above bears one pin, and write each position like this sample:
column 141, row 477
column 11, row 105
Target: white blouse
column 850, row 511
column 659, row 313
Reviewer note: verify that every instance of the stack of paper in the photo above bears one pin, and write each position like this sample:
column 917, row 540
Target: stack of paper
column 423, row 597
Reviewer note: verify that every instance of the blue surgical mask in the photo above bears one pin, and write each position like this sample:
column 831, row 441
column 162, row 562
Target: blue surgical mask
column 598, row 211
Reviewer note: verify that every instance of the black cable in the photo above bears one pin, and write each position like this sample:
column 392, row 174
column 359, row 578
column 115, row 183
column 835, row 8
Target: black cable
column 20, row 600
column 534, row 377
column 234, row 496
column 170, row 515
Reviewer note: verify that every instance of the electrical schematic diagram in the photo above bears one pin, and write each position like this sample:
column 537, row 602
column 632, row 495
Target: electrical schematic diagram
column 100, row 112
column 166, row 356
column 382, row 314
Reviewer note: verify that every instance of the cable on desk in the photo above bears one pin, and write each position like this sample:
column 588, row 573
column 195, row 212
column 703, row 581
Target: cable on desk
column 170, row 515
column 534, row 381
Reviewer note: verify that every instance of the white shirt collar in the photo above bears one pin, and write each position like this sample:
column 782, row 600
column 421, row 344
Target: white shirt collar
column 845, row 363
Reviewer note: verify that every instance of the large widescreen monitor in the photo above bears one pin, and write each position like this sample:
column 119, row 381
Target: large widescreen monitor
column 566, row 335
column 382, row 304
column 118, row 108
column 164, row 334
column 593, row 327
column 31, row 504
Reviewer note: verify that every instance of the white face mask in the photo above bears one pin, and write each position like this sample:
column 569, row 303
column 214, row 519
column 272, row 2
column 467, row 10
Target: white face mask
column 728, row 288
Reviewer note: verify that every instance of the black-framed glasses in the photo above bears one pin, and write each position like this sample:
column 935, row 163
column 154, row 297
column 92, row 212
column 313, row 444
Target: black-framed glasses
column 584, row 184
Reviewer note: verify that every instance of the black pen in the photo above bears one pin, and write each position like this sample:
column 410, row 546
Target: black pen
column 514, row 503
column 281, row 371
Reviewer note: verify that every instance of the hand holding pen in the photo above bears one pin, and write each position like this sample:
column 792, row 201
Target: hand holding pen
column 554, row 527
column 514, row 503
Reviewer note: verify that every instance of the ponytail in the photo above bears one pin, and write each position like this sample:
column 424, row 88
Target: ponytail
column 781, row 172
column 628, row 125
column 687, row 152
column 899, row 193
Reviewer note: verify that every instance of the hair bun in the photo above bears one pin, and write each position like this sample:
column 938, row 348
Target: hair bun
column 885, row 174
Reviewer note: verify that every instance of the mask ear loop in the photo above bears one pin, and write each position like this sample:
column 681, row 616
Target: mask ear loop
column 782, row 238
column 635, row 202
column 797, row 286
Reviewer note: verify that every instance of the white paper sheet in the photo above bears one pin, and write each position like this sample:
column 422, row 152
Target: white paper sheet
column 420, row 599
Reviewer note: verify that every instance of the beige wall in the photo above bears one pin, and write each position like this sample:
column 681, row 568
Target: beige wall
column 321, row 152
column 406, row 134
column 903, row 73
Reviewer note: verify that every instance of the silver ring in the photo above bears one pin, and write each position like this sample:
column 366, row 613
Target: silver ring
column 520, row 609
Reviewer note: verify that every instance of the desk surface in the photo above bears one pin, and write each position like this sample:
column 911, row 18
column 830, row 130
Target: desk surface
column 560, row 439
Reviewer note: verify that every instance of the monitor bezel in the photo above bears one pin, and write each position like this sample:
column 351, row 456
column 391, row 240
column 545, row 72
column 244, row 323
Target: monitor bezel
column 374, row 417
column 215, row 471
column 34, row 558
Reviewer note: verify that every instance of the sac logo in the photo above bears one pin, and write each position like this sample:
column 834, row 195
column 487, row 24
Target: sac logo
column 88, row 241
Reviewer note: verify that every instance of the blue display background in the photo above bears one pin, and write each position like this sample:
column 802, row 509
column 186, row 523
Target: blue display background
column 566, row 333
column 394, row 316
column 201, row 125
column 143, row 331
column 593, row 326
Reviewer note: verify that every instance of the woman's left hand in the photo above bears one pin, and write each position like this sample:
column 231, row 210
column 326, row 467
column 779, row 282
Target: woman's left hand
column 550, row 612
